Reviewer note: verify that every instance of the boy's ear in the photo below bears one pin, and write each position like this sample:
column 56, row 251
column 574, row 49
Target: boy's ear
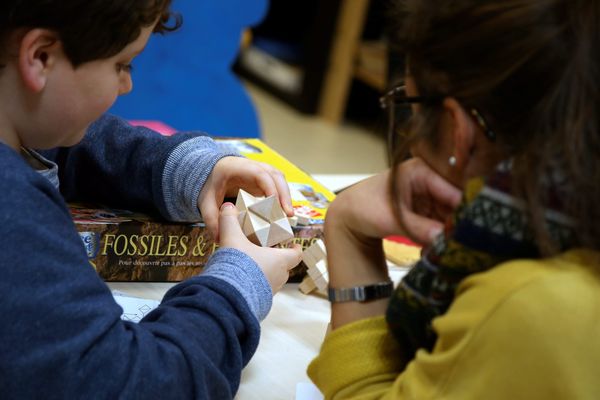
column 39, row 49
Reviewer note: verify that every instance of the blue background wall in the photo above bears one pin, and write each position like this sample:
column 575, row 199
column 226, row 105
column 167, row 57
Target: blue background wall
column 184, row 78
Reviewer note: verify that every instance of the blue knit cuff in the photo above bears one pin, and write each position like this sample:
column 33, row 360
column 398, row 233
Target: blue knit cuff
column 241, row 272
column 185, row 173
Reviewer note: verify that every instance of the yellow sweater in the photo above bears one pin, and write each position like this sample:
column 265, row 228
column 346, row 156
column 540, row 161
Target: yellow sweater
column 523, row 330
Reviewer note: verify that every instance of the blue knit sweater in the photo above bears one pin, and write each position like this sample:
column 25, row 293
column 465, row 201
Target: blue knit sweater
column 61, row 334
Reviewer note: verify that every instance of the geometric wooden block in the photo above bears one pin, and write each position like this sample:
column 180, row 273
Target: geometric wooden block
column 318, row 270
column 319, row 275
column 321, row 283
column 313, row 254
column 263, row 220
column 302, row 219
column 307, row 285
column 293, row 221
column 315, row 258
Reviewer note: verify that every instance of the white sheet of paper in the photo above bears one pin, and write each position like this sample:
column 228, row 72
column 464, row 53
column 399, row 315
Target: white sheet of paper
column 307, row 391
column 134, row 308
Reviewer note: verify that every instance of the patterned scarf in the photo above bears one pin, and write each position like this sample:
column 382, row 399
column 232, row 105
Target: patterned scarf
column 489, row 227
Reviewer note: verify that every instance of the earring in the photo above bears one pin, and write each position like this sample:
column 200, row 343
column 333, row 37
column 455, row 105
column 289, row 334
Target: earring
column 452, row 161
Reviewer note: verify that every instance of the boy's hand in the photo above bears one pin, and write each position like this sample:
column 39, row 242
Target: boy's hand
column 274, row 262
column 229, row 175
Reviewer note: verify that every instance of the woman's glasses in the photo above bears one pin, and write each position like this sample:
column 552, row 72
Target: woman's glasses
column 399, row 111
column 397, row 95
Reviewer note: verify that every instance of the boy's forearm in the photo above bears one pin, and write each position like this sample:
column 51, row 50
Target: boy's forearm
column 135, row 168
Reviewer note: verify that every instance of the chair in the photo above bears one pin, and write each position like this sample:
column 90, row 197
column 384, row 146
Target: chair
column 185, row 80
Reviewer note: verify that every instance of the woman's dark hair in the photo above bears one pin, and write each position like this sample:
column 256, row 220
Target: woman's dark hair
column 88, row 29
column 531, row 67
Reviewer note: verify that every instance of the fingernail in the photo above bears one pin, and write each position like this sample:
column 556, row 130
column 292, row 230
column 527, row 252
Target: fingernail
column 226, row 205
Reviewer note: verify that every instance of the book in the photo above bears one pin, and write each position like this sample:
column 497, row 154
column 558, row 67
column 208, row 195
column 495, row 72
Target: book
column 128, row 246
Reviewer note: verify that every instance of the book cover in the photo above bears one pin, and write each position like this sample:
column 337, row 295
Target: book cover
column 126, row 246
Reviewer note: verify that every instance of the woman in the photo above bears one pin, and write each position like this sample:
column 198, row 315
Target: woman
column 504, row 302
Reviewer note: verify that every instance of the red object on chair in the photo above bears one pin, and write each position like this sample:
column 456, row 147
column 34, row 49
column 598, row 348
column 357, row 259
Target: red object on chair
column 157, row 126
column 403, row 240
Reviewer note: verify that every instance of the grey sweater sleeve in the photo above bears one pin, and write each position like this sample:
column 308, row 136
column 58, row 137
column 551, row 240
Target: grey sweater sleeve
column 185, row 174
column 241, row 272
column 132, row 167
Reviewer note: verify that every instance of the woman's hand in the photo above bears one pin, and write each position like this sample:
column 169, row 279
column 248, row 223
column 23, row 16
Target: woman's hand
column 275, row 263
column 233, row 173
column 426, row 200
column 362, row 215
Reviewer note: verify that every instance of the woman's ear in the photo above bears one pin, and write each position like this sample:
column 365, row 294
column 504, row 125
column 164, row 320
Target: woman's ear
column 473, row 154
column 38, row 52
column 462, row 131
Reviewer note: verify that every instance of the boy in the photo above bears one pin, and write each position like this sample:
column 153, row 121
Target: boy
column 62, row 65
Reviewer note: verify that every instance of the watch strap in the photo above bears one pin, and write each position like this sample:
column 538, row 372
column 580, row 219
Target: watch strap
column 361, row 294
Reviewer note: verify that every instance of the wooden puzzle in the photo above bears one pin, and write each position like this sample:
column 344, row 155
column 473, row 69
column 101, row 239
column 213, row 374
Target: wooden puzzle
column 302, row 219
column 299, row 220
column 315, row 258
column 263, row 220
column 293, row 221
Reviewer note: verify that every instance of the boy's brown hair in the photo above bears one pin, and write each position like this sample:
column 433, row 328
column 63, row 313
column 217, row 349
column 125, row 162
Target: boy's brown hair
column 88, row 29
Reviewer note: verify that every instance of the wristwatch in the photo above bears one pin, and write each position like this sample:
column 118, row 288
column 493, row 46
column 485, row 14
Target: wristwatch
column 361, row 294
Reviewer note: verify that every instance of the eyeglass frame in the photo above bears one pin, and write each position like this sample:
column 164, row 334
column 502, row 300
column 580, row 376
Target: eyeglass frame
column 394, row 94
